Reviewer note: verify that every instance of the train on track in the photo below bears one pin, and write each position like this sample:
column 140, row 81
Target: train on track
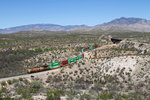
column 56, row 65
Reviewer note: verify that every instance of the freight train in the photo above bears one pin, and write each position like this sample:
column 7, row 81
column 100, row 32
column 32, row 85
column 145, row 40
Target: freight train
column 56, row 65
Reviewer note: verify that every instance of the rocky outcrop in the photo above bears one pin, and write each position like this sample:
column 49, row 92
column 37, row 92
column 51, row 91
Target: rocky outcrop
column 105, row 38
column 142, row 47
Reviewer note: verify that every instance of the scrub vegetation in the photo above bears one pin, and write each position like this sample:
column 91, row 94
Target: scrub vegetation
column 111, row 72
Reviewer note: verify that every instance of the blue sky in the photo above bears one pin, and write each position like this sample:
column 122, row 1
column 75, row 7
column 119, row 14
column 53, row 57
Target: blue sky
column 69, row 12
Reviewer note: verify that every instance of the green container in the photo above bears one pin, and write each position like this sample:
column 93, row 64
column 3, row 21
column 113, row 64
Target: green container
column 82, row 50
column 72, row 60
column 91, row 47
column 77, row 58
column 80, row 57
column 54, row 65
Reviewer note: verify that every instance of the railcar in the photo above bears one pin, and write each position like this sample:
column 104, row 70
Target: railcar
column 85, row 49
column 54, row 65
column 72, row 60
column 33, row 69
column 95, row 47
column 38, row 68
column 76, row 58
column 64, row 63
column 82, row 55
column 82, row 50
column 91, row 47
column 44, row 67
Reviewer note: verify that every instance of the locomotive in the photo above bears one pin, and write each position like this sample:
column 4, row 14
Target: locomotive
column 56, row 65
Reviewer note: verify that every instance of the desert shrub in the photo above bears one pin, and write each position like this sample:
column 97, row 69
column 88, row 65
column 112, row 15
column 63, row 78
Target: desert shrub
column 48, row 49
column 3, row 89
column 1, row 94
column 9, row 82
column 75, row 71
column 26, row 81
column 121, row 97
column 85, row 97
column 38, row 50
column 55, row 94
column 105, row 96
column 3, row 83
column 20, row 79
column 27, row 91
column 78, row 65
column 15, row 80
column 30, row 51
column 19, row 52
column 118, row 98
column 24, row 92
column 8, row 97
column 35, row 86
column 83, row 63
column 71, row 93
column 102, row 82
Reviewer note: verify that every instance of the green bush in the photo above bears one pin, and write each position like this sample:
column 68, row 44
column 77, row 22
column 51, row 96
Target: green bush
column 105, row 96
column 85, row 97
column 31, row 51
column 38, row 50
column 20, row 79
column 121, row 97
column 48, row 49
column 24, row 92
column 55, row 94
column 1, row 95
column 15, row 80
column 9, row 82
column 19, row 52
column 26, row 81
column 35, row 86
column 3, row 83
column 2, row 91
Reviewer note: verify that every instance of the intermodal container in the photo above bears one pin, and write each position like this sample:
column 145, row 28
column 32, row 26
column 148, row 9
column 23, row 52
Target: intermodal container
column 72, row 60
column 91, row 47
column 54, row 65
column 82, row 55
column 64, row 63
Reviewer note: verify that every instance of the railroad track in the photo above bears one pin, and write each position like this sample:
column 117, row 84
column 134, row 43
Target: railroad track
column 42, row 72
column 28, row 75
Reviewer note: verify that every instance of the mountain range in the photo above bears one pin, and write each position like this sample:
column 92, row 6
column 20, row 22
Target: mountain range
column 116, row 25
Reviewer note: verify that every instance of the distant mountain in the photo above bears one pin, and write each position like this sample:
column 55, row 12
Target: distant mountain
column 125, row 24
column 41, row 27
column 117, row 25
column 127, row 21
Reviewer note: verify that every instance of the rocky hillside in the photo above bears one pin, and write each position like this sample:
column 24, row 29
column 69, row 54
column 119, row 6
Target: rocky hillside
column 112, row 71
